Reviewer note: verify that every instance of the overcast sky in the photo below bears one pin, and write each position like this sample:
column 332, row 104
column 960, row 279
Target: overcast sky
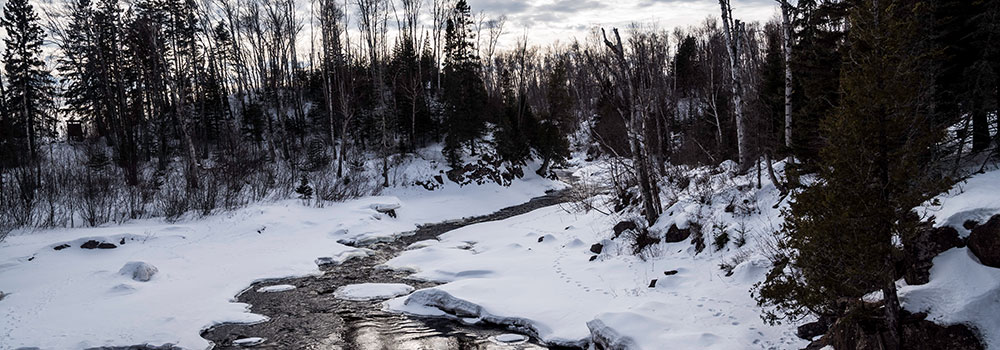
column 560, row 20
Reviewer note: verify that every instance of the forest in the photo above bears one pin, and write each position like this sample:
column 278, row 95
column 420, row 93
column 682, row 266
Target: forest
column 857, row 111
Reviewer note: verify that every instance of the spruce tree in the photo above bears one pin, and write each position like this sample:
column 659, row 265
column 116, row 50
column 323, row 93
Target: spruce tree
column 29, row 84
column 840, row 230
column 464, row 92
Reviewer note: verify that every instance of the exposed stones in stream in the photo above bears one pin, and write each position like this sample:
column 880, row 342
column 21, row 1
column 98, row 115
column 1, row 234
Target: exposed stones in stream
column 310, row 317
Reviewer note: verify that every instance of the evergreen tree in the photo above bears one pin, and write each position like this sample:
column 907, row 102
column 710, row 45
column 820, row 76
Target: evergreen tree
column 821, row 30
column 29, row 85
column 464, row 92
column 840, row 230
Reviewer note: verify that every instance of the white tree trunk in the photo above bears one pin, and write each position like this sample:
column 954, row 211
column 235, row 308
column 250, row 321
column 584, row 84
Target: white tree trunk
column 786, row 33
column 731, row 29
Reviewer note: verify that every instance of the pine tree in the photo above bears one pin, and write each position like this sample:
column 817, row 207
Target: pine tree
column 29, row 85
column 840, row 230
column 817, row 56
column 464, row 92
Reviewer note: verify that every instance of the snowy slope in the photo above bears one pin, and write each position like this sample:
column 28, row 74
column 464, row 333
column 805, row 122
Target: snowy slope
column 533, row 271
column 74, row 298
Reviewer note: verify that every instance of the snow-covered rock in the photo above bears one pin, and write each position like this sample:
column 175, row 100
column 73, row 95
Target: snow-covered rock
column 510, row 338
column 276, row 288
column 138, row 270
column 372, row 291
column 961, row 290
column 249, row 342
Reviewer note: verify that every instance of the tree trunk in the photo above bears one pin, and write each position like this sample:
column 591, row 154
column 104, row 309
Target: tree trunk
column 786, row 40
column 732, row 30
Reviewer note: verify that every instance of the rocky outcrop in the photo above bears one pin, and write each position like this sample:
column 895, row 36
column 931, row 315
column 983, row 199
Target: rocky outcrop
column 921, row 249
column 869, row 333
column 984, row 242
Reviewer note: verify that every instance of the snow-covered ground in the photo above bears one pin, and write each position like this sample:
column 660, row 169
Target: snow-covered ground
column 534, row 271
column 76, row 298
column 961, row 289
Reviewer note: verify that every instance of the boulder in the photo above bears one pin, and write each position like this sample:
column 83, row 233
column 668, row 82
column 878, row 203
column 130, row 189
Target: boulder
column 676, row 234
column 670, row 273
column 592, row 258
column 984, row 242
column 105, row 245
column 61, row 246
column 810, row 330
column 596, row 248
column 624, row 226
column 652, row 284
column 91, row 244
column 138, row 270
column 921, row 249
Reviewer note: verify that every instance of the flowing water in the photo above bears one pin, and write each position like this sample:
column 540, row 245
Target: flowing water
column 309, row 317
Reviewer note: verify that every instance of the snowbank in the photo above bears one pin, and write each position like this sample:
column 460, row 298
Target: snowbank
column 961, row 290
column 74, row 298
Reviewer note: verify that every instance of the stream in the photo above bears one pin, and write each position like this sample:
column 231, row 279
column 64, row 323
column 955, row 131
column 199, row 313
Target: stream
column 309, row 317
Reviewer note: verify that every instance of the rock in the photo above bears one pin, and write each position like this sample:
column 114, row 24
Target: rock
column 675, row 234
column 810, row 330
column 138, row 270
column 61, row 246
column 624, row 226
column 122, row 242
column 970, row 224
column 670, row 273
column 106, row 246
column 867, row 333
column 593, row 257
column 984, row 242
column 386, row 208
column 91, row 244
column 921, row 249
column 652, row 284
column 540, row 239
column 596, row 248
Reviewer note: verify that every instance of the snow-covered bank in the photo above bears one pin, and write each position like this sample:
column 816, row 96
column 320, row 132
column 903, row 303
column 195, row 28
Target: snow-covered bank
column 539, row 272
column 535, row 271
column 74, row 298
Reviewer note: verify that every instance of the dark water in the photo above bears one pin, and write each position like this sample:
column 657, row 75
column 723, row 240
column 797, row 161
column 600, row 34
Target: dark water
column 309, row 317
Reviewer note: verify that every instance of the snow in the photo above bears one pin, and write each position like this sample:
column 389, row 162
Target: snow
column 276, row 288
column 961, row 290
column 975, row 199
column 533, row 272
column 75, row 299
column 372, row 291
column 138, row 271
column 248, row 342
